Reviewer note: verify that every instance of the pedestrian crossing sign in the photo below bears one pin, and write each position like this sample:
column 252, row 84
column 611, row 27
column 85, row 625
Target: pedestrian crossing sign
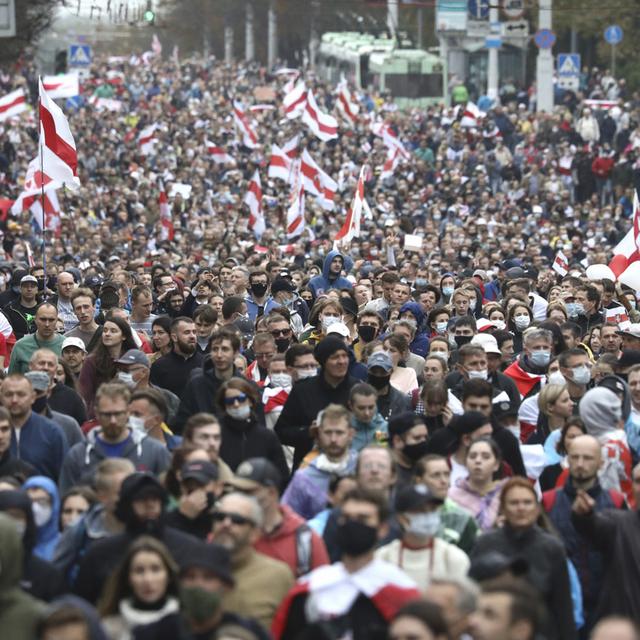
column 568, row 65
column 79, row 55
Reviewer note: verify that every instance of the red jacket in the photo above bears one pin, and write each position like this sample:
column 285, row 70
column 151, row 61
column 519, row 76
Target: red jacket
column 282, row 544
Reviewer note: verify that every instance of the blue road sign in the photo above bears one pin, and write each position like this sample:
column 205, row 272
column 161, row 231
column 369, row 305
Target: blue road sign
column 79, row 55
column 568, row 65
column 544, row 39
column 613, row 34
column 478, row 9
column 493, row 42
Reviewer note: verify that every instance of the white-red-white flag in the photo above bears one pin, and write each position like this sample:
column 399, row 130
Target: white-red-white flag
column 351, row 227
column 279, row 164
column 389, row 137
column 345, row 104
column 35, row 182
column 322, row 125
column 106, row 104
column 218, row 154
column 471, row 115
column 561, row 264
column 168, row 230
column 295, row 211
column 390, row 164
column 57, row 148
column 249, row 136
column 66, row 85
column 290, row 147
column 12, row 104
column 147, row 140
column 156, row 45
column 46, row 212
column 619, row 316
column 253, row 200
column 295, row 101
column 317, row 182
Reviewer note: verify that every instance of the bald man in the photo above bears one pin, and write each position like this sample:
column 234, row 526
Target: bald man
column 585, row 460
column 615, row 628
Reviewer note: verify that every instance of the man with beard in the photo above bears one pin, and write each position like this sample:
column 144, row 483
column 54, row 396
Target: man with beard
column 172, row 371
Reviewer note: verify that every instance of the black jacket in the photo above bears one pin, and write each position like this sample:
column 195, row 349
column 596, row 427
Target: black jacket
column 65, row 400
column 548, row 572
column 172, row 371
column 10, row 466
column 200, row 526
column 307, row 398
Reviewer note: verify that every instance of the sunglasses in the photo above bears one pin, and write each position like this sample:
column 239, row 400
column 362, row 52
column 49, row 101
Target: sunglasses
column 235, row 518
column 240, row 398
column 276, row 333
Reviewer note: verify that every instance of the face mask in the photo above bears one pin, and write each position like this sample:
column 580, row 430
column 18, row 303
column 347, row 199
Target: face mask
column 378, row 382
column 282, row 344
column 198, row 604
column 462, row 340
column 499, row 325
column 424, row 525
column 239, row 413
column 440, row 354
column 327, row 321
column 258, row 290
column 126, row 378
column 579, row 309
column 540, row 358
column 41, row 514
column 280, row 380
column 421, row 282
column 367, row 334
column 581, row 375
column 556, row 378
column 522, row 322
column 40, row 404
column 478, row 375
column 447, row 291
column 415, row 451
column 356, row 538
column 515, row 429
column 137, row 423
column 472, row 304
column 571, row 309
column 441, row 327
column 307, row 373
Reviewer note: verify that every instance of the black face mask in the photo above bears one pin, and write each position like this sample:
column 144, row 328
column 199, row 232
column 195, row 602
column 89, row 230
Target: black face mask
column 367, row 334
column 378, row 382
column 258, row 289
column 356, row 538
column 415, row 451
column 462, row 340
column 39, row 404
column 282, row 344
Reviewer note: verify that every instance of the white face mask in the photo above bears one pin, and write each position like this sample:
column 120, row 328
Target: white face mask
column 239, row 413
column 499, row 324
column 581, row 375
column 41, row 514
column 556, row 378
column 515, row 429
column 441, row 327
column 126, row 378
column 307, row 373
column 424, row 525
column 280, row 380
column 472, row 304
column 478, row 375
column 137, row 423
column 522, row 322
column 327, row 321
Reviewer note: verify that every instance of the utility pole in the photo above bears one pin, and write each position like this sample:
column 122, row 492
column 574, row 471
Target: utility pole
column 249, row 42
column 228, row 40
column 420, row 19
column 272, row 35
column 392, row 17
column 544, row 66
column 492, row 70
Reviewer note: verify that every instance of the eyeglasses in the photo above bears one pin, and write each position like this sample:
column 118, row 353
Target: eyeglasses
column 277, row 333
column 240, row 398
column 235, row 518
column 111, row 415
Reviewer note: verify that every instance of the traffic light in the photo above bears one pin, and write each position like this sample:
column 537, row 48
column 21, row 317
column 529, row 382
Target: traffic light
column 149, row 15
column 60, row 62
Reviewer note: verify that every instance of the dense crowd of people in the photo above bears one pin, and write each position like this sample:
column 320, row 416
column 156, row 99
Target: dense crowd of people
column 430, row 432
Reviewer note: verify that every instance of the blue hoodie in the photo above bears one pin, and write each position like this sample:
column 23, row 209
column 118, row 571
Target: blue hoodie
column 322, row 284
column 420, row 343
column 48, row 534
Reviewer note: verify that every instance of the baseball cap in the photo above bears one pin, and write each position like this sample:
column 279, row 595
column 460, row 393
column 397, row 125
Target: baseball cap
column 340, row 328
column 380, row 359
column 93, row 281
column 134, row 356
column 487, row 342
column 503, row 409
column 73, row 342
column 28, row 278
column 201, row 471
column 254, row 473
column 39, row 380
column 632, row 330
column 480, row 273
column 414, row 498
column 491, row 564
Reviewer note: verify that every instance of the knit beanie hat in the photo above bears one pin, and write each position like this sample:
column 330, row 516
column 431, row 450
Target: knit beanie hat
column 600, row 410
column 328, row 346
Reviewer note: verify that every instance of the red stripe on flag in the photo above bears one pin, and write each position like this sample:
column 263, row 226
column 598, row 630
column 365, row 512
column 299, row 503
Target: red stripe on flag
column 16, row 102
column 57, row 145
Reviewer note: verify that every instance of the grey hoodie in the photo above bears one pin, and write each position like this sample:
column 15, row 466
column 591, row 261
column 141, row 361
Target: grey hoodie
column 147, row 454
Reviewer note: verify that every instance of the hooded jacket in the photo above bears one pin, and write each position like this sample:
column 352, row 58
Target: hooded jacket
column 39, row 578
column 48, row 534
column 19, row 612
column 327, row 281
column 147, row 454
column 420, row 343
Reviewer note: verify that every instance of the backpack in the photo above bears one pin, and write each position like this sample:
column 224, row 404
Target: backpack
column 549, row 499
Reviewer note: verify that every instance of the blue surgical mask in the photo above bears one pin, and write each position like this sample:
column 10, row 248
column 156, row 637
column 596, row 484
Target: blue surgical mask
column 447, row 291
column 540, row 358
column 421, row 282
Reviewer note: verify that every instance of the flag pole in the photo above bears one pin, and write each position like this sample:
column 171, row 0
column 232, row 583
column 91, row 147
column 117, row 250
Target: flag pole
column 42, row 204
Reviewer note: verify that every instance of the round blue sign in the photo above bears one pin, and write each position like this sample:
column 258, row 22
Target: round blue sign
column 478, row 9
column 545, row 39
column 613, row 34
